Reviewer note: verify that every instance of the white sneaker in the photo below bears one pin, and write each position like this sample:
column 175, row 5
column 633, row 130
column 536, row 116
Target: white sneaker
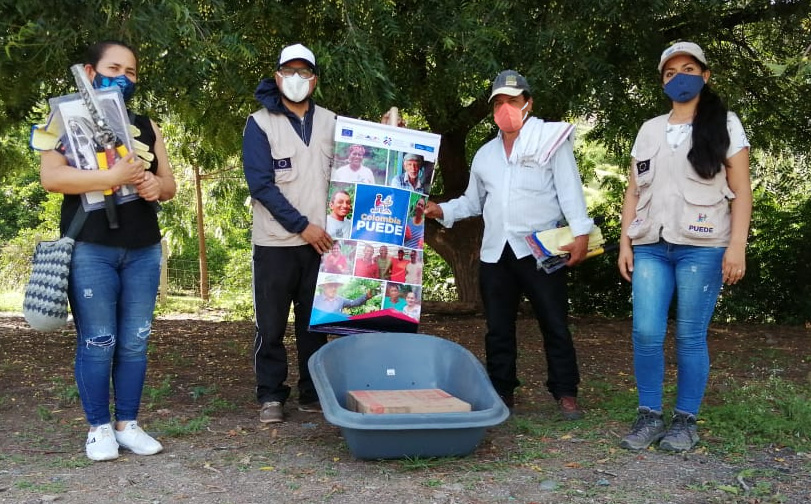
column 136, row 440
column 101, row 443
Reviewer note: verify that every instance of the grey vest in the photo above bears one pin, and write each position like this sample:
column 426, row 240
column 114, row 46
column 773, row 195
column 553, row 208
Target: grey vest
column 675, row 203
column 305, row 184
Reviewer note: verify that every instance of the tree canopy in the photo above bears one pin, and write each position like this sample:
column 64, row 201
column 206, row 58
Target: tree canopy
column 201, row 60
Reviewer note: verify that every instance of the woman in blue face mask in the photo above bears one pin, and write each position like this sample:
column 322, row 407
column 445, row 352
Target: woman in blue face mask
column 114, row 273
column 685, row 222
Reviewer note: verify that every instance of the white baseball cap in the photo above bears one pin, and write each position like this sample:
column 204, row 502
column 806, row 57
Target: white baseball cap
column 297, row 52
column 688, row 48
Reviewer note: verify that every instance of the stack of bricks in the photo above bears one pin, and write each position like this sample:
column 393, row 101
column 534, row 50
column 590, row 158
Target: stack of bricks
column 404, row 401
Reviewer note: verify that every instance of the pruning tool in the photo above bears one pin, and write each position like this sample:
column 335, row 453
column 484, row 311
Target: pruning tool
column 107, row 144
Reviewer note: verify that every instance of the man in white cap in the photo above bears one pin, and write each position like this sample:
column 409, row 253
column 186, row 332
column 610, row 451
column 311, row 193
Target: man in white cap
column 522, row 181
column 288, row 177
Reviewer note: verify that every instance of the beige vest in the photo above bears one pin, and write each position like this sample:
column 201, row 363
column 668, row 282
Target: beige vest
column 675, row 203
column 305, row 184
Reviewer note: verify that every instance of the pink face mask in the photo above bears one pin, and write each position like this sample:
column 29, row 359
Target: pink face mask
column 509, row 118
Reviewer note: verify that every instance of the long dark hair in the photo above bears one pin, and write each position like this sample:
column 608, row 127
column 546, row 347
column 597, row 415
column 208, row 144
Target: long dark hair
column 710, row 134
column 96, row 51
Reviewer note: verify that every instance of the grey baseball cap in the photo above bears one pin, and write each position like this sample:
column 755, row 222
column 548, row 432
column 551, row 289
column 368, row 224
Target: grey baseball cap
column 509, row 82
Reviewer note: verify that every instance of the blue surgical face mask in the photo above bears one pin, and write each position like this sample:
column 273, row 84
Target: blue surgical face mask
column 684, row 87
column 127, row 86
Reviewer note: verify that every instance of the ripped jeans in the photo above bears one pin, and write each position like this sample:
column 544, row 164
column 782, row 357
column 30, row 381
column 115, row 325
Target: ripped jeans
column 112, row 294
column 694, row 275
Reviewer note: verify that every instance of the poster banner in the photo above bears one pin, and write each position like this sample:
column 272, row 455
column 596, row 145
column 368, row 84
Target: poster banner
column 371, row 280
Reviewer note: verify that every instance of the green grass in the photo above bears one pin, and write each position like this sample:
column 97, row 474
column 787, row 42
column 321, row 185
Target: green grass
column 216, row 404
column 75, row 462
column 176, row 427
column 158, row 394
column 199, row 391
column 44, row 413
column 67, row 393
column 46, row 488
column 180, row 304
column 420, row 463
column 11, row 301
column 761, row 413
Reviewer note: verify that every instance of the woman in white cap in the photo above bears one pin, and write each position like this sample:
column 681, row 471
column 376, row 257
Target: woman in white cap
column 685, row 223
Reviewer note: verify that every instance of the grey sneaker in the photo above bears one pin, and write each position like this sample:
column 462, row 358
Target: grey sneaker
column 271, row 412
column 647, row 429
column 682, row 435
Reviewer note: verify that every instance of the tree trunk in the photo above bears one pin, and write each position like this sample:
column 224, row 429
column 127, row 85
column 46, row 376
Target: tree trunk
column 201, row 235
column 459, row 246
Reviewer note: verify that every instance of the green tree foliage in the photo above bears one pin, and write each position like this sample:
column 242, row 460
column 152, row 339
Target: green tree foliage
column 201, row 61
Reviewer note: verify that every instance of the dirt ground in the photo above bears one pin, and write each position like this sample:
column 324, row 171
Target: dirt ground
column 200, row 376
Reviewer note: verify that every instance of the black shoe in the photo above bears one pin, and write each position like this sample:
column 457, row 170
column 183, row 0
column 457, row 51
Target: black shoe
column 509, row 400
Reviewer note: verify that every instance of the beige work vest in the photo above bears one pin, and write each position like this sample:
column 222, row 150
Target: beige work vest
column 305, row 184
column 675, row 203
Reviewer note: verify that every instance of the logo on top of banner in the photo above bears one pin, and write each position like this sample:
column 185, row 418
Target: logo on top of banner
column 380, row 214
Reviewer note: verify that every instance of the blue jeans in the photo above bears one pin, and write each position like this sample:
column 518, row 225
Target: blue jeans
column 694, row 275
column 112, row 295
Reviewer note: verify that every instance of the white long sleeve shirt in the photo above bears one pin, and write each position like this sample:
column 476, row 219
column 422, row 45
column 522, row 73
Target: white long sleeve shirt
column 534, row 189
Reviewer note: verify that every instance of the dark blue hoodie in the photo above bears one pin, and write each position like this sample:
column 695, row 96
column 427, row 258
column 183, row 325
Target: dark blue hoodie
column 257, row 160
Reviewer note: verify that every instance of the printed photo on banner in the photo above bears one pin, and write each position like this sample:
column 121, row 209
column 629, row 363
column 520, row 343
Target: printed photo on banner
column 412, row 173
column 415, row 226
column 371, row 279
column 398, row 266
column 403, row 298
column 339, row 210
column 340, row 257
column 359, row 164
column 414, row 267
column 339, row 297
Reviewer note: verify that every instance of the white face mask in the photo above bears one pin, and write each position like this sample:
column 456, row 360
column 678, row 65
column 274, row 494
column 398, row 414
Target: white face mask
column 295, row 88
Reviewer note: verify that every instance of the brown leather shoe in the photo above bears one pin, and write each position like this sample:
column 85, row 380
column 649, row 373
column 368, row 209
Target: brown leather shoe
column 569, row 408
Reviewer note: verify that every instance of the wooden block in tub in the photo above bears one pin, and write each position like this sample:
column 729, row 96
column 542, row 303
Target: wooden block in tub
column 404, row 401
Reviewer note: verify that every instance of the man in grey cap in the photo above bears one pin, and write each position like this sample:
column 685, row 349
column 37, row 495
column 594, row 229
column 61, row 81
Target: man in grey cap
column 522, row 181
column 411, row 178
column 288, row 177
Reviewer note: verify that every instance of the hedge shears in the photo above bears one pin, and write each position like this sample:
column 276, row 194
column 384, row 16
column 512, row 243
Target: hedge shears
column 107, row 144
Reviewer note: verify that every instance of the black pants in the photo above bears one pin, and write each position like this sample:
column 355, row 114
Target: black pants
column 284, row 275
column 502, row 285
